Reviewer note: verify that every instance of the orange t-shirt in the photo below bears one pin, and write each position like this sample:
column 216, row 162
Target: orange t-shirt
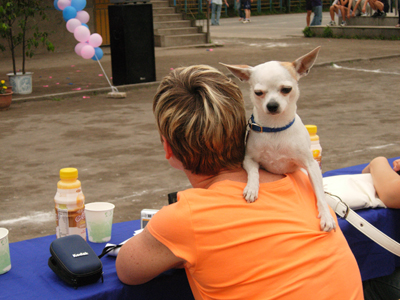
column 270, row 249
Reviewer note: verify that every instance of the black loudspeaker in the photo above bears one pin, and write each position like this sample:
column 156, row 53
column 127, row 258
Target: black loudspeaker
column 132, row 43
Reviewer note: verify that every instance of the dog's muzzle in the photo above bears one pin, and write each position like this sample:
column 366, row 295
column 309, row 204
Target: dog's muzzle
column 273, row 107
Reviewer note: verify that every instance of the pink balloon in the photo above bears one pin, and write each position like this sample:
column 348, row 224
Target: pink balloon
column 82, row 16
column 87, row 52
column 63, row 4
column 95, row 40
column 81, row 33
column 78, row 48
column 72, row 24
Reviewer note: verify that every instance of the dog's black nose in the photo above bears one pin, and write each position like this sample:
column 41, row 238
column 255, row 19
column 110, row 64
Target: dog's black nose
column 273, row 107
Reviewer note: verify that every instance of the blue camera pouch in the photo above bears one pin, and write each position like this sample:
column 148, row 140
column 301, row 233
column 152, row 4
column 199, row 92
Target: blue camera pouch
column 74, row 261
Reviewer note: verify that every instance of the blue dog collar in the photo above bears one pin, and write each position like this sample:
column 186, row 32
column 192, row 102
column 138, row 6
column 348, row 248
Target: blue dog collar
column 255, row 127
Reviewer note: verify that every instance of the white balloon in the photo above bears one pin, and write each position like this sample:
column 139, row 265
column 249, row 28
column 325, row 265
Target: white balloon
column 95, row 40
column 63, row 4
column 82, row 33
column 87, row 52
column 78, row 48
column 83, row 16
column 72, row 24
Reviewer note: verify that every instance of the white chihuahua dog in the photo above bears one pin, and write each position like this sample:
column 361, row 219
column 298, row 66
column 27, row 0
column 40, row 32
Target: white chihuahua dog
column 277, row 139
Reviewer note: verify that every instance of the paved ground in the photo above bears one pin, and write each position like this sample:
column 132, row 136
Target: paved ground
column 114, row 142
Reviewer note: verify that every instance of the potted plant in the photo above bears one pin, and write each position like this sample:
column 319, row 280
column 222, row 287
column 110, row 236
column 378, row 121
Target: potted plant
column 5, row 96
column 18, row 30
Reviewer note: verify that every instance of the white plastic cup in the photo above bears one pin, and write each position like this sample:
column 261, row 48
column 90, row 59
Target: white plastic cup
column 99, row 217
column 5, row 261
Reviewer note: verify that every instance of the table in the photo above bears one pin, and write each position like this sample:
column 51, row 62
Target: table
column 31, row 278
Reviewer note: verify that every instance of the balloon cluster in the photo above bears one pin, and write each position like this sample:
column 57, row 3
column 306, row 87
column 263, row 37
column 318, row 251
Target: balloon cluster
column 77, row 18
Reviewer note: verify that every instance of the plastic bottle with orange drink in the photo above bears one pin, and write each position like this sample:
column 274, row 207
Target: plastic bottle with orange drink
column 70, row 205
column 316, row 148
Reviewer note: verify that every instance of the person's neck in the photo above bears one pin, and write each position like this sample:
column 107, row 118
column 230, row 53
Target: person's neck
column 238, row 175
column 205, row 181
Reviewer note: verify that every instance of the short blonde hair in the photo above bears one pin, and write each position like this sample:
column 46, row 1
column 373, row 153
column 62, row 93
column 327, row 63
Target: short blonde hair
column 201, row 114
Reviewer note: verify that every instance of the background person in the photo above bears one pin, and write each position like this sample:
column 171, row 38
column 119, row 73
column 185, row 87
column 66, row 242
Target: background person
column 247, row 10
column 376, row 5
column 317, row 10
column 216, row 6
column 334, row 9
column 270, row 249
column 242, row 15
column 309, row 11
column 386, row 180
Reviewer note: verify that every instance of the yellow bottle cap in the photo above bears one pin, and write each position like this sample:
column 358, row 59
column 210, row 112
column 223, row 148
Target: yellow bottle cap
column 68, row 173
column 312, row 129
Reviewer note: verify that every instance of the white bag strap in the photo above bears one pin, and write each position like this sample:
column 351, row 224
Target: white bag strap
column 345, row 212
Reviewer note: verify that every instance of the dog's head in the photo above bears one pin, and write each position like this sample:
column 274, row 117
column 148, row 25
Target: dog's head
column 274, row 85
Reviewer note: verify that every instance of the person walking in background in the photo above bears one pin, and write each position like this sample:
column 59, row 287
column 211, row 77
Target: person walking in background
column 242, row 15
column 317, row 9
column 216, row 6
column 247, row 10
column 398, row 23
column 309, row 11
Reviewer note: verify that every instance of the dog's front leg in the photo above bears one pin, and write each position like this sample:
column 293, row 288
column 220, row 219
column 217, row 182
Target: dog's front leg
column 252, row 167
column 327, row 221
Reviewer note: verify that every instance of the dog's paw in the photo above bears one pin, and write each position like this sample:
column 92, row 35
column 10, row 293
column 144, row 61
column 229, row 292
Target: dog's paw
column 327, row 222
column 250, row 193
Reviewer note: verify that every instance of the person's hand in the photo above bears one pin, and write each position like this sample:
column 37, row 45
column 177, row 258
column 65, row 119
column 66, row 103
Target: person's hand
column 353, row 14
column 396, row 165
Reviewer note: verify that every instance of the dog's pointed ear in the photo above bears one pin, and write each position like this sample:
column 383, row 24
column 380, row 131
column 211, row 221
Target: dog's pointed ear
column 242, row 72
column 304, row 64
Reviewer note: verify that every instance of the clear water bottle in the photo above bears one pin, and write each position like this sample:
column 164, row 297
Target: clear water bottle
column 70, row 205
column 316, row 148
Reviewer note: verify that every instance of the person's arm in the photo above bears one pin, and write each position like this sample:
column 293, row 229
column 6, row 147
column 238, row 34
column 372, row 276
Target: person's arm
column 364, row 6
column 226, row 3
column 142, row 258
column 386, row 180
column 355, row 6
column 348, row 11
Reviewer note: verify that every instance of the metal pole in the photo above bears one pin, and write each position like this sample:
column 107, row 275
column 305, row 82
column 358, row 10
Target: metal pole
column 208, row 23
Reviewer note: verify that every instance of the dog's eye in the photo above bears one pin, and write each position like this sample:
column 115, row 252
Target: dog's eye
column 258, row 93
column 286, row 90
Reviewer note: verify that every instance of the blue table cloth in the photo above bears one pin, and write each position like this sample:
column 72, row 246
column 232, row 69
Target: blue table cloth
column 31, row 278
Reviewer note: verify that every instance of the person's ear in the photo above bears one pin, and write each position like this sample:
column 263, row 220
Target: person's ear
column 167, row 148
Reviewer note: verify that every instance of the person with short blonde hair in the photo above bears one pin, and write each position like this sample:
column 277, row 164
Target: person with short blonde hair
column 230, row 249
column 200, row 110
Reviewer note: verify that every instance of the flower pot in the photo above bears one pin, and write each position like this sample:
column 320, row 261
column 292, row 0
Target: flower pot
column 5, row 100
column 21, row 83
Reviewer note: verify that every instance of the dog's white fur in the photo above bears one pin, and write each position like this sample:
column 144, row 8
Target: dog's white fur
column 274, row 92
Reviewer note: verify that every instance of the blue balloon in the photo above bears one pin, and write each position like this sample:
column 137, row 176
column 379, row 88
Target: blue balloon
column 69, row 13
column 97, row 52
column 83, row 24
column 78, row 4
column 56, row 5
